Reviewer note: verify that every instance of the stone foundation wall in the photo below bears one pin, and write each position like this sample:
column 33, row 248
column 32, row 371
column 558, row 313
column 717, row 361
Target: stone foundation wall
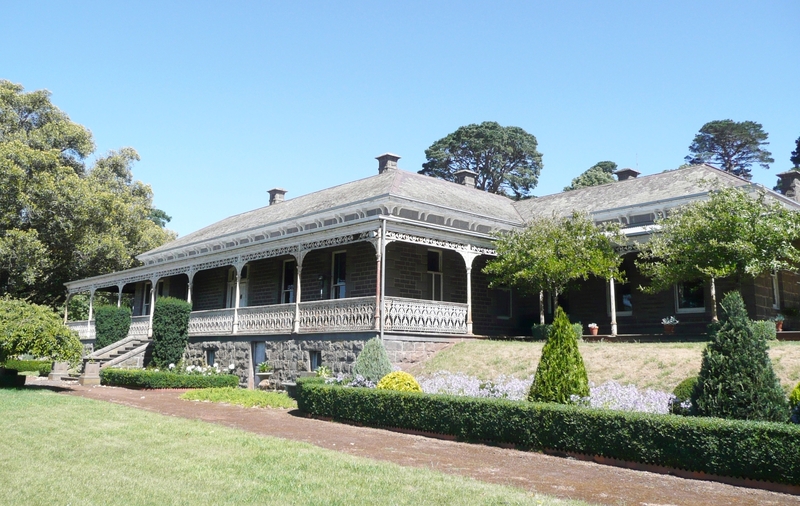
column 406, row 353
column 225, row 353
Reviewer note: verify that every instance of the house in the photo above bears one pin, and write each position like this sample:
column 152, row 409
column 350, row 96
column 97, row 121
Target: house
column 306, row 281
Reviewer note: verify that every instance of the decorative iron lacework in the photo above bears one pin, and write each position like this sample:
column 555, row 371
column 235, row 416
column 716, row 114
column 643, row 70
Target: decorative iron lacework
column 425, row 316
column 270, row 253
column 216, row 321
column 84, row 330
column 277, row 319
column 439, row 243
column 139, row 326
column 627, row 248
column 338, row 315
column 333, row 241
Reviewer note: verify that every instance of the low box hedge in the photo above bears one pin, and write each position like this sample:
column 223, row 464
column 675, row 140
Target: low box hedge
column 744, row 449
column 138, row 378
column 43, row 367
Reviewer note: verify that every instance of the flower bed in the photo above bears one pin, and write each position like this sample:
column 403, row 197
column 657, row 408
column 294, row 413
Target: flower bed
column 755, row 450
column 138, row 378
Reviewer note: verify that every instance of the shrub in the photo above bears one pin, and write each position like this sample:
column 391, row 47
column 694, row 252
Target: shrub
column 138, row 378
column 794, row 403
column 764, row 330
column 43, row 367
column 755, row 450
column 561, row 373
column 682, row 403
column 170, row 330
column 38, row 330
column 111, row 324
column 400, row 381
column 372, row 363
column 736, row 378
column 540, row 332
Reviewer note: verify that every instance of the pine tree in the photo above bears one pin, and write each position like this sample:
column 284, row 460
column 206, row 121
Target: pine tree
column 373, row 362
column 561, row 373
column 736, row 378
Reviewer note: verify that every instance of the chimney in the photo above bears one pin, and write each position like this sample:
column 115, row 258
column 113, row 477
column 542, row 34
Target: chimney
column 466, row 177
column 276, row 195
column 790, row 184
column 387, row 161
column 625, row 174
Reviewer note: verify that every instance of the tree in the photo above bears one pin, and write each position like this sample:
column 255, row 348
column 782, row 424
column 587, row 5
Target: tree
column 736, row 377
column 373, row 362
column 735, row 146
column 597, row 174
column 551, row 252
column 37, row 330
column 560, row 373
column 58, row 220
column 505, row 158
column 731, row 234
column 795, row 158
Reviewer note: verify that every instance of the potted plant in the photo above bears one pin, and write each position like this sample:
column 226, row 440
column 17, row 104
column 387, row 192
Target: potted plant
column 778, row 319
column 593, row 329
column 264, row 371
column 669, row 324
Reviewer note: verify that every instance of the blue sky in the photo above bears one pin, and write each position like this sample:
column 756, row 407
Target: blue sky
column 225, row 100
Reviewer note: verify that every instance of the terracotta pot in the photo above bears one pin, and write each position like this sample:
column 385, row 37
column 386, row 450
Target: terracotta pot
column 669, row 329
column 779, row 326
column 593, row 330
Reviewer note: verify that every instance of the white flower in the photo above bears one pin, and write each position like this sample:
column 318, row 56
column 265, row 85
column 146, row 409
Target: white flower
column 232, row 366
column 171, row 366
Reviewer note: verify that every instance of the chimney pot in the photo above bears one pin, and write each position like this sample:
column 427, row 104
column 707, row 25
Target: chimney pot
column 276, row 195
column 625, row 174
column 387, row 161
column 790, row 184
column 466, row 177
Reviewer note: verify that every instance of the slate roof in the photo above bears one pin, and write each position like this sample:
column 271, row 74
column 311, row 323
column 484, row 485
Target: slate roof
column 673, row 184
column 391, row 183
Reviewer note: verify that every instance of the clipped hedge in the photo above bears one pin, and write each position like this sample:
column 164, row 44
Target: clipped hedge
column 43, row 367
column 111, row 324
column 737, row 448
column 138, row 378
column 170, row 330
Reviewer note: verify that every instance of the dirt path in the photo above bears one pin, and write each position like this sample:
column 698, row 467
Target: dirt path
column 560, row 477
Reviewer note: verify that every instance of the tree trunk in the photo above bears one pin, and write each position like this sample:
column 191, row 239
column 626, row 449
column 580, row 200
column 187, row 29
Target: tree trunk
column 713, row 301
column 541, row 307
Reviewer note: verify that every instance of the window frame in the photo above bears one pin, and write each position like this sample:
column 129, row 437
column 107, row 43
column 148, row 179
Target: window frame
column 290, row 287
column 776, row 291
column 335, row 286
column 687, row 310
column 617, row 298
column 433, row 276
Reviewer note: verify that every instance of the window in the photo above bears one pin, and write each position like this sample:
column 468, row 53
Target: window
column 623, row 299
column 287, row 285
column 501, row 302
column 146, row 295
column 339, row 275
column 315, row 359
column 210, row 357
column 690, row 297
column 230, row 300
column 435, row 274
column 776, row 294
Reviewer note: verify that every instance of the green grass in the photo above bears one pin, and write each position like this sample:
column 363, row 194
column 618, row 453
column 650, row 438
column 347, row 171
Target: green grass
column 60, row 449
column 242, row 397
column 660, row 366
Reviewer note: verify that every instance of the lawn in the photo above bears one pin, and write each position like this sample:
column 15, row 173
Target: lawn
column 660, row 366
column 60, row 449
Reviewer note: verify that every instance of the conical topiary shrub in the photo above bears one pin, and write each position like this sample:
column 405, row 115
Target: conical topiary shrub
column 736, row 378
column 111, row 324
column 373, row 362
column 170, row 330
column 561, row 373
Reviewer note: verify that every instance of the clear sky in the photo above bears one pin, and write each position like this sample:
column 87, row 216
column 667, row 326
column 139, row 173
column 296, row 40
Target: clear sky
column 225, row 100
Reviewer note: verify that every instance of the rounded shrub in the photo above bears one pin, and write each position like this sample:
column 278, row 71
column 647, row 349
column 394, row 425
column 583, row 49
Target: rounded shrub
column 400, row 381
column 561, row 372
column 794, row 403
column 170, row 330
column 683, row 395
column 111, row 324
column 36, row 330
column 736, row 379
column 373, row 362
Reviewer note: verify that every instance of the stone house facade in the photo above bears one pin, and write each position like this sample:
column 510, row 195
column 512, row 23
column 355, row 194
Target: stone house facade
column 306, row 282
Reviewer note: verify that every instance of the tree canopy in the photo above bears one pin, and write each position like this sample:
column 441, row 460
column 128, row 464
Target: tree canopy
column 733, row 233
column 795, row 158
column 597, row 174
column 553, row 251
column 734, row 146
column 505, row 158
column 60, row 221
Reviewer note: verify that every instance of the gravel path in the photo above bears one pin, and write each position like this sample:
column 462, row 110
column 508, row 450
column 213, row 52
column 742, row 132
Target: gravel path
column 556, row 476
